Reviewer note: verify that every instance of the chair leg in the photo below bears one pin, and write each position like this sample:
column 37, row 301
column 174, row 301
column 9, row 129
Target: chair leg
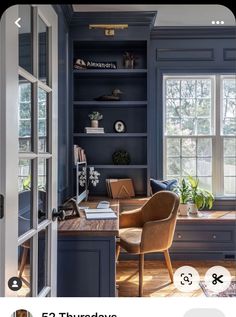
column 23, row 261
column 117, row 251
column 169, row 265
column 141, row 269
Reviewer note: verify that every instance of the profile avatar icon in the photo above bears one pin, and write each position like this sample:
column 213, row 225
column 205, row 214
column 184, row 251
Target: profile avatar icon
column 15, row 283
column 22, row 313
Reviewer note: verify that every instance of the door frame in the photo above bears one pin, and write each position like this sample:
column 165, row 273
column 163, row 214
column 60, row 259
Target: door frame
column 9, row 155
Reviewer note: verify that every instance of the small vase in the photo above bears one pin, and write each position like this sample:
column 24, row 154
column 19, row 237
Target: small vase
column 94, row 123
column 192, row 209
column 183, row 209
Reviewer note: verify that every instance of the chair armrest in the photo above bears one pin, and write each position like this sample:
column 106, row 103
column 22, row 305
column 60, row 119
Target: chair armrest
column 131, row 219
column 158, row 235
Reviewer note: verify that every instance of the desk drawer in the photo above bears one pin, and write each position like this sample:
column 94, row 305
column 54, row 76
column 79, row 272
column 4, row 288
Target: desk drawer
column 203, row 236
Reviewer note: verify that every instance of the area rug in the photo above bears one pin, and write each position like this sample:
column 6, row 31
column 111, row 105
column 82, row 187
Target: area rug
column 230, row 292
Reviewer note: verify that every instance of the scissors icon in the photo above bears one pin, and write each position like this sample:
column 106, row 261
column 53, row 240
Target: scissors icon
column 217, row 279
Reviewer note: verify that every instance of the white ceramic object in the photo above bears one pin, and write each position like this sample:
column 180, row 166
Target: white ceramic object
column 183, row 209
column 192, row 209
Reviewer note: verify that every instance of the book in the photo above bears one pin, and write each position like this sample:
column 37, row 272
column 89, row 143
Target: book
column 97, row 210
column 79, row 154
column 101, row 216
column 93, row 130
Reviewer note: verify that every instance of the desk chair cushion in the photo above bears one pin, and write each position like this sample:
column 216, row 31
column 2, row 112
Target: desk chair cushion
column 130, row 239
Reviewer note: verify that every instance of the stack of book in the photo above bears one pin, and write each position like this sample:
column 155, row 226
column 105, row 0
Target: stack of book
column 79, row 154
column 120, row 188
column 93, row 130
column 98, row 214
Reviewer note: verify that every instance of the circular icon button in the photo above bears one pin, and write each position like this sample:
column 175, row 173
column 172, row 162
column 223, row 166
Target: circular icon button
column 217, row 279
column 15, row 283
column 186, row 279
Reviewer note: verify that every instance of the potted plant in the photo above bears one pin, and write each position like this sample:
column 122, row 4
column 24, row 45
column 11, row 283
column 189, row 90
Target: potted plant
column 200, row 198
column 95, row 116
column 183, row 190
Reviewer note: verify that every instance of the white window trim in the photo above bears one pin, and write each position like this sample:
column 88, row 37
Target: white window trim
column 216, row 135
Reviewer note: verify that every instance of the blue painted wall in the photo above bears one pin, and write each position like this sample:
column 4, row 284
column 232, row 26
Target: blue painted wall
column 171, row 50
column 184, row 50
column 64, row 152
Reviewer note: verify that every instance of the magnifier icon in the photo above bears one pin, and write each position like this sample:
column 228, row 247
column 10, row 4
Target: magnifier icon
column 186, row 279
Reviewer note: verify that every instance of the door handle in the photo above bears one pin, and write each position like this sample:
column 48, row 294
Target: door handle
column 58, row 214
column 1, row 206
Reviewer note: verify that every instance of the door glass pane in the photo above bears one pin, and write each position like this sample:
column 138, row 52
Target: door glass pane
column 43, row 50
column 24, row 196
column 25, row 38
column 25, row 115
column 42, row 120
column 42, row 262
column 42, row 189
column 25, row 267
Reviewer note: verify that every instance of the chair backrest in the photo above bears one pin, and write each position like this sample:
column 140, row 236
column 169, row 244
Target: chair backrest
column 160, row 206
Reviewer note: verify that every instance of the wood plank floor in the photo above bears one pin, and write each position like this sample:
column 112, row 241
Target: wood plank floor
column 156, row 278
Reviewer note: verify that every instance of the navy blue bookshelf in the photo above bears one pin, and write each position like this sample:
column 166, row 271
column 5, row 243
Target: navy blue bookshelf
column 132, row 108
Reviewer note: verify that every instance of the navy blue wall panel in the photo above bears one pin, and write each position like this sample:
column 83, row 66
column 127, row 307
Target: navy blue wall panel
column 181, row 51
column 64, row 152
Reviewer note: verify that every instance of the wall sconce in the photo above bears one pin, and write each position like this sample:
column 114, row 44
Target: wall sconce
column 109, row 29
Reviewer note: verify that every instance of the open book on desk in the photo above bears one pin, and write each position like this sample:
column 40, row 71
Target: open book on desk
column 99, row 214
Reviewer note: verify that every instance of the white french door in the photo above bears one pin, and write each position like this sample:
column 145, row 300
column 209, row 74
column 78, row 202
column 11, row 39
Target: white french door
column 28, row 157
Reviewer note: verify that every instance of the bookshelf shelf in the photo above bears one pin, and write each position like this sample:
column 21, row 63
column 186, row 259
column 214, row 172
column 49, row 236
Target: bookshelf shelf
column 111, row 135
column 119, row 166
column 110, row 103
column 110, row 72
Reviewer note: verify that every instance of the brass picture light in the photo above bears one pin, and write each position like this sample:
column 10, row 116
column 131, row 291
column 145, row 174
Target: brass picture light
column 109, row 29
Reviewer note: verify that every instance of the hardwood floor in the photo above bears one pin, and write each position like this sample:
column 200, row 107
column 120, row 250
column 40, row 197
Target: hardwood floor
column 156, row 281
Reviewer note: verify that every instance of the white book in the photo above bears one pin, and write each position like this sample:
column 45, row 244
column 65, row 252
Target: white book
column 98, row 210
column 100, row 216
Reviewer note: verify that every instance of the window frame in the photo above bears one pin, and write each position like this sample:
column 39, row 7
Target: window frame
column 216, row 136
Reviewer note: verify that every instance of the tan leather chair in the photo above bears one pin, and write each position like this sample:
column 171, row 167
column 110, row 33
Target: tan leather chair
column 150, row 229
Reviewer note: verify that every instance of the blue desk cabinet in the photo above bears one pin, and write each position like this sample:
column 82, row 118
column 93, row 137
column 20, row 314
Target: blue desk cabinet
column 86, row 266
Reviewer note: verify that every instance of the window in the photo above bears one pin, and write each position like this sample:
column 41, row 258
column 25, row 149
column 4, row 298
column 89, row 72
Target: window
column 200, row 130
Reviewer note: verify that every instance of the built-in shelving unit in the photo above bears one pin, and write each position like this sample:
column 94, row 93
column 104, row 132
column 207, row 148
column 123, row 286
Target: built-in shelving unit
column 131, row 109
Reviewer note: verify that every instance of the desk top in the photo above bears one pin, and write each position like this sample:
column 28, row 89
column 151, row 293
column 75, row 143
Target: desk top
column 82, row 227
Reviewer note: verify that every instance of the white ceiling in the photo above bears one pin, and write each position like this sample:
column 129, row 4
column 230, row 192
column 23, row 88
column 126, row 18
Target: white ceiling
column 172, row 15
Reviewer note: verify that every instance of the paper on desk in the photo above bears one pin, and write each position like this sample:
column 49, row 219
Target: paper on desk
column 97, row 210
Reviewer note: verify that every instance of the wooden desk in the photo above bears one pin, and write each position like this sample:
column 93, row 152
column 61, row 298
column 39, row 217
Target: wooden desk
column 86, row 255
column 86, row 248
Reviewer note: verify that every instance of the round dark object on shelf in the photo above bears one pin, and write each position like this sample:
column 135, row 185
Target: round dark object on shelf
column 121, row 157
column 119, row 126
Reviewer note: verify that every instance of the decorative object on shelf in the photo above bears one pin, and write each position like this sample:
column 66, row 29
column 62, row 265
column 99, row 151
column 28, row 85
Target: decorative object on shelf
column 70, row 208
column 92, row 179
column 121, row 157
column 119, row 126
column 115, row 96
column 120, row 188
column 200, row 198
column 101, row 65
column 129, row 60
column 95, row 116
column 109, row 29
column 82, row 64
column 183, row 190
